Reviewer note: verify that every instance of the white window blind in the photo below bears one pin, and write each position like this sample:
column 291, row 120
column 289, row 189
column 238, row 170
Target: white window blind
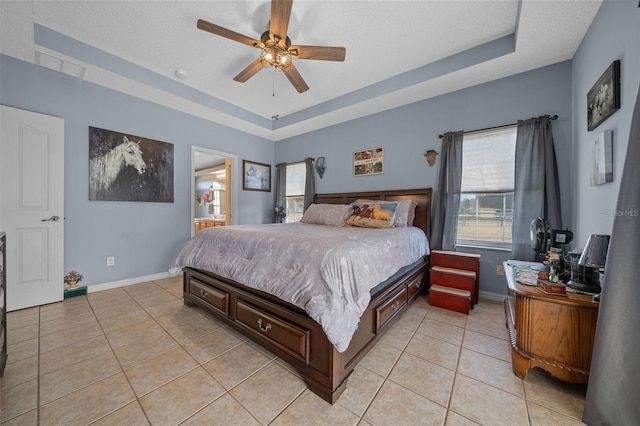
column 296, row 177
column 488, row 160
column 485, row 216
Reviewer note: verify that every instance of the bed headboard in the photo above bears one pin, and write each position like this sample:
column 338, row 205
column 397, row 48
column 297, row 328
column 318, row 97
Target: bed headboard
column 421, row 196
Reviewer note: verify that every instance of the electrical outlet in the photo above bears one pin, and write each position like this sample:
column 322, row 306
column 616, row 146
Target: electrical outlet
column 500, row 270
column 111, row 261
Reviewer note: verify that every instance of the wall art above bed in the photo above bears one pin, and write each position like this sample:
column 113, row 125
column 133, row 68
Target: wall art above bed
column 368, row 162
column 125, row 167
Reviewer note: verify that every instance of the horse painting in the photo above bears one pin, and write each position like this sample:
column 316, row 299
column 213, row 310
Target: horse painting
column 125, row 167
column 105, row 168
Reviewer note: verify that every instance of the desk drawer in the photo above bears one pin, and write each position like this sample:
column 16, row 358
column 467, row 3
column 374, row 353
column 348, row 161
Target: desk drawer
column 215, row 297
column 389, row 308
column 278, row 331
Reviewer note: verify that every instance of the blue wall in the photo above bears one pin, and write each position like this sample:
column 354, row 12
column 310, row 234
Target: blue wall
column 406, row 133
column 143, row 237
column 614, row 34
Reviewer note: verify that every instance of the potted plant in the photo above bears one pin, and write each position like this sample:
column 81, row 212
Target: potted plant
column 73, row 278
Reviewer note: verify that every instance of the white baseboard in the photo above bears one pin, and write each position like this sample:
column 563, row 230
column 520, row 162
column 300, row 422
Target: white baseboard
column 123, row 283
column 496, row 297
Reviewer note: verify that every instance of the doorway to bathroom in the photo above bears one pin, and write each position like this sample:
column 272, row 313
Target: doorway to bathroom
column 213, row 188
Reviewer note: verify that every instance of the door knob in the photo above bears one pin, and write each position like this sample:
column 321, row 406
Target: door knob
column 52, row 219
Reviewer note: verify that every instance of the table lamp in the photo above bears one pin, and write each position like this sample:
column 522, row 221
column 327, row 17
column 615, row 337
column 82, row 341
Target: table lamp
column 594, row 254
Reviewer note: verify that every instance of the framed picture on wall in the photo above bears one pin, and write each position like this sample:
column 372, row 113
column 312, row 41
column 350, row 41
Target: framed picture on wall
column 368, row 162
column 604, row 97
column 602, row 159
column 126, row 167
column 256, row 176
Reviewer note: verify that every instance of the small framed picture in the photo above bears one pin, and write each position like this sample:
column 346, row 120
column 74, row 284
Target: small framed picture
column 256, row 176
column 602, row 159
column 368, row 162
column 604, row 97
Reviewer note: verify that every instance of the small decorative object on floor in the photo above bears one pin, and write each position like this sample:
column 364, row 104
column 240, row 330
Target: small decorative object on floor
column 73, row 278
column 280, row 214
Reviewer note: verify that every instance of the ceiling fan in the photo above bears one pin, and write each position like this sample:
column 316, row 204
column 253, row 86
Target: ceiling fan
column 277, row 50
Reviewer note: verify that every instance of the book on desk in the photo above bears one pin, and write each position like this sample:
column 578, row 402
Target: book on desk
column 549, row 287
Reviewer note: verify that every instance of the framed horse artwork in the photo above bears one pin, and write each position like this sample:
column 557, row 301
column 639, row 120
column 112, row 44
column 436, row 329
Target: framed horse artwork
column 125, row 167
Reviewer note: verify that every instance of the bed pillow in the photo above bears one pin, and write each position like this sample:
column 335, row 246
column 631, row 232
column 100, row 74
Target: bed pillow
column 326, row 214
column 405, row 213
column 375, row 215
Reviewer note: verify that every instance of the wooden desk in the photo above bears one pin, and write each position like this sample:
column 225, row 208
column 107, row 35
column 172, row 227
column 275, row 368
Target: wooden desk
column 555, row 333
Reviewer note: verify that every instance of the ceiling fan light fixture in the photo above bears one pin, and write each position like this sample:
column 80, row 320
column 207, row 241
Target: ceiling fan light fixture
column 275, row 57
column 267, row 56
column 285, row 59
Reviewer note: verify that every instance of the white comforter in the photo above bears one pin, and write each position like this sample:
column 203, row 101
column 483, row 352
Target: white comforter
column 326, row 270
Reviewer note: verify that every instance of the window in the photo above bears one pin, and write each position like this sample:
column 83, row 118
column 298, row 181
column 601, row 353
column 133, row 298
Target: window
column 486, row 201
column 215, row 190
column 296, row 179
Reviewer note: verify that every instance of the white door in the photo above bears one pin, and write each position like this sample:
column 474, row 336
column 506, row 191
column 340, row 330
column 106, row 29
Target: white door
column 32, row 208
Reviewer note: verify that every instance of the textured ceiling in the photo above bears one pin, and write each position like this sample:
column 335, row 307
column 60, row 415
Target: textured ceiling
column 398, row 52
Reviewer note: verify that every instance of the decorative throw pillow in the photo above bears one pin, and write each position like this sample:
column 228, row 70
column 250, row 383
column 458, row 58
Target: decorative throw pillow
column 378, row 215
column 326, row 214
column 405, row 213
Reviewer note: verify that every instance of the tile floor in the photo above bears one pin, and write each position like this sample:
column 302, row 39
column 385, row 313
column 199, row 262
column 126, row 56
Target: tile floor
column 136, row 356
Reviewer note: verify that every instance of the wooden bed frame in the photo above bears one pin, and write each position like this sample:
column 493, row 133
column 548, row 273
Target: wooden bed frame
column 289, row 333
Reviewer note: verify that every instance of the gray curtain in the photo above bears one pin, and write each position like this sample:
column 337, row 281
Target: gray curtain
column 281, row 185
column 613, row 393
column 536, row 190
column 447, row 200
column 309, row 184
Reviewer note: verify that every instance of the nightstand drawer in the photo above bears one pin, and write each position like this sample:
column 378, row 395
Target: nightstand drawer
column 215, row 297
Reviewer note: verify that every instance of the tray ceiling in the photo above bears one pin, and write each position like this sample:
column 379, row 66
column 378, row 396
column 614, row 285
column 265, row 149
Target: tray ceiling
column 398, row 52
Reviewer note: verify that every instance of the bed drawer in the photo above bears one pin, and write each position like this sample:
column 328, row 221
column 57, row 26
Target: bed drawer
column 279, row 332
column 415, row 286
column 215, row 297
column 390, row 307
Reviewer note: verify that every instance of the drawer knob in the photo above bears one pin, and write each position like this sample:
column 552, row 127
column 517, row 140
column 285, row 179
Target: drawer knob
column 203, row 293
column 395, row 306
column 418, row 283
column 266, row 328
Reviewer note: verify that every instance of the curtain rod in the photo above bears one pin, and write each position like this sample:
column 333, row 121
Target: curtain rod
column 553, row 117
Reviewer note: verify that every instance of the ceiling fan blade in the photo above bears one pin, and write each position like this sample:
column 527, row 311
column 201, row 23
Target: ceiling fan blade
column 319, row 53
column 251, row 70
column 231, row 35
column 295, row 78
column 280, row 14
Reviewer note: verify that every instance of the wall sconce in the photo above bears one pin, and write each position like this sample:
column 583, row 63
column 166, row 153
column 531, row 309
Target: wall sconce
column 320, row 168
column 431, row 157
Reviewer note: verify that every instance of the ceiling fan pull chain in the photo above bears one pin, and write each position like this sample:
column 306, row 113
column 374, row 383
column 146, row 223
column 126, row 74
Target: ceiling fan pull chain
column 275, row 115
